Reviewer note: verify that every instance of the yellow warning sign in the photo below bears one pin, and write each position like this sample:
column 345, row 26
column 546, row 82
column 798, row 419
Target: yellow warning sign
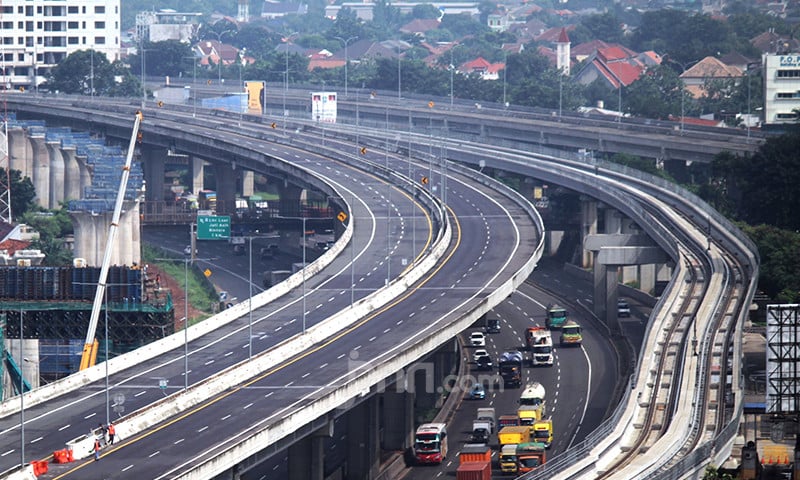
column 341, row 217
column 207, row 272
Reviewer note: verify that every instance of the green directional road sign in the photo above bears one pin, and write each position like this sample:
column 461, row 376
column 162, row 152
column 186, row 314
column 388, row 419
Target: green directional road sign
column 214, row 227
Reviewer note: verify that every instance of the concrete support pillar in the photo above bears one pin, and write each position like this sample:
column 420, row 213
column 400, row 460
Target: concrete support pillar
column 41, row 170
column 248, row 181
column 306, row 459
column 72, row 174
column 86, row 175
column 197, row 165
column 611, row 295
column 552, row 241
column 289, row 201
column 226, row 188
column 398, row 418
column 363, row 450
column 57, row 174
column 153, row 161
column 613, row 220
column 19, row 152
column 647, row 277
column 91, row 234
column 588, row 227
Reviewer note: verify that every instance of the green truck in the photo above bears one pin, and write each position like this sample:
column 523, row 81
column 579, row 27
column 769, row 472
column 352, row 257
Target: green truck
column 556, row 316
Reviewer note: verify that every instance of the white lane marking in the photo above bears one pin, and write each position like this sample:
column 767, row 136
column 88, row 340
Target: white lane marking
column 153, row 454
column 203, row 429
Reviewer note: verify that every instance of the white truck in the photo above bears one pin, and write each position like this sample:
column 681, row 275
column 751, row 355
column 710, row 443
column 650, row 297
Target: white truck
column 542, row 349
column 486, row 414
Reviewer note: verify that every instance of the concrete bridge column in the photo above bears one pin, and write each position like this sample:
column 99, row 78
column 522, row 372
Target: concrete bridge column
column 197, row 166
column 363, row 453
column 647, row 278
column 41, row 170
column 86, row 174
column 153, row 161
column 307, row 457
column 72, row 174
column 226, row 187
column 289, row 201
column 588, row 227
column 91, row 234
column 19, row 152
column 398, row 418
column 613, row 220
column 248, row 181
column 57, row 174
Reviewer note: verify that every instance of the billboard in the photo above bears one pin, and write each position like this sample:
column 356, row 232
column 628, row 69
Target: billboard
column 256, row 93
column 323, row 107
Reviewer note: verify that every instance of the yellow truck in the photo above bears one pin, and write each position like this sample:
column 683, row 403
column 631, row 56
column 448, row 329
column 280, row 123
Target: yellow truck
column 515, row 435
column 543, row 432
column 508, row 458
column 528, row 415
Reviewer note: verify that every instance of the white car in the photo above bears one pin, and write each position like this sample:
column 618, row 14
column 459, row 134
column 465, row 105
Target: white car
column 477, row 339
column 623, row 309
column 481, row 352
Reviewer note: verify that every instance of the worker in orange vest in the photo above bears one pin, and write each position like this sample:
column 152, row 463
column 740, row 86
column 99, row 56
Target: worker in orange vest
column 111, row 433
column 96, row 449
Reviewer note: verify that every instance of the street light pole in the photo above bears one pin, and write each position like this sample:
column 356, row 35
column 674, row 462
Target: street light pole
column 186, row 321
column 108, row 403
column 452, row 68
column 250, row 305
column 346, row 58
column 304, row 274
column 21, row 397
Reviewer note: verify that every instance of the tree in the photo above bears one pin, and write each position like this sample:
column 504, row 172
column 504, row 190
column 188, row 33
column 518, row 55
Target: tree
column 22, row 192
column 425, row 11
column 161, row 59
column 656, row 94
column 762, row 188
column 74, row 74
column 462, row 25
column 606, row 27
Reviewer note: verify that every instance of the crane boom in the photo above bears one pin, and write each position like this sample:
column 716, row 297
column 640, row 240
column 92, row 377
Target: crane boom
column 90, row 346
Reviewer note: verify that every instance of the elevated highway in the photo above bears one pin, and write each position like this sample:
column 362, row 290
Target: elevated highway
column 604, row 182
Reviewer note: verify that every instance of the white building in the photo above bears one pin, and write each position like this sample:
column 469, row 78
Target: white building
column 781, row 87
column 167, row 24
column 38, row 34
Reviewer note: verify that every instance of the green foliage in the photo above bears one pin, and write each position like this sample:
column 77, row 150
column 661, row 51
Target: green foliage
column 713, row 473
column 53, row 226
column 762, row 188
column 73, row 75
column 167, row 58
column 22, row 192
column 425, row 11
column 780, row 261
column 656, row 94
column 606, row 27
column 462, row 25
column 347, row 25
column 685, row 37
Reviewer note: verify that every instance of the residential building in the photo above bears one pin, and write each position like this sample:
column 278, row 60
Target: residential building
column 38, row 34
column 166, row 25
column 781, row 88
column 615, row 66
column 709, row 68
column 363, row 10
column 487, row 71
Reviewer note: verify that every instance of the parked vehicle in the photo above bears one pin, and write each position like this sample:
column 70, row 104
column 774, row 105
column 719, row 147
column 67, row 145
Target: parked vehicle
column 430, row 443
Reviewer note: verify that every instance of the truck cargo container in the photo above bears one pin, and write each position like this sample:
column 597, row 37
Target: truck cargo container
column 474, row 471
column 533, row 398
column 508, row 435
column 508, row 421
column 529, row 415
column 475, row 452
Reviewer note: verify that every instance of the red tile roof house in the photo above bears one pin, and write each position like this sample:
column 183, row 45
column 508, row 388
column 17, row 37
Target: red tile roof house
column 614, row 65
column 707, row 69
column 487, row 71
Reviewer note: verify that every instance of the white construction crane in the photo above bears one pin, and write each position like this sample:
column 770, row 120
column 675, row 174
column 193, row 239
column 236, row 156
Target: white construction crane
column 90, row 347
